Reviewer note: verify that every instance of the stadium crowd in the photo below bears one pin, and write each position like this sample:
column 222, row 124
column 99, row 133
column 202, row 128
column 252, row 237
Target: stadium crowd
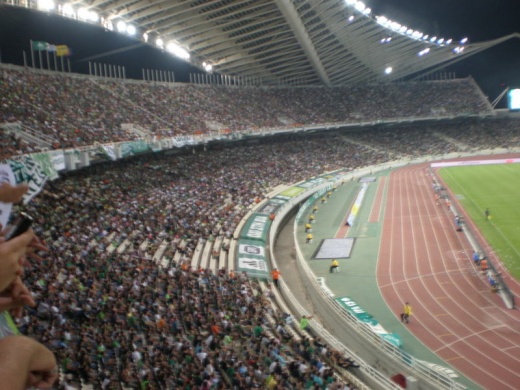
column 112, row 316
column 115, row 318
column 76, row 110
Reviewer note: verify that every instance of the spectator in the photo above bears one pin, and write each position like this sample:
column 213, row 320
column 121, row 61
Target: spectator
column 275, row 274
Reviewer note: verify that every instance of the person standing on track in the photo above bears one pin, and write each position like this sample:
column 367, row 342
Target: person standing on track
column 486, row 213
column 407, row 312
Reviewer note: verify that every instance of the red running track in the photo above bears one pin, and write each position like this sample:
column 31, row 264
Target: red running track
column 423, row 260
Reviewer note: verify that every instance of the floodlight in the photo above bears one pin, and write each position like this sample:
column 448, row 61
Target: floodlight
column 403, row 29
column 423, row 52
column 46, row 5
column 395, row 26
column 68, row 10
column 458, row 49
column 449, row 41
column 360, row 6
column 382, row 20
column 175, row 49
column 130, row 30
column 463, row 41
column 121, row 26
column 388, row 70
column 440, row 41
column 159, row 42
column 351, row 18
column 83, row 13
column 93, row 16
column 351, row 2
column 207, row 67
column 433, row 39
column 426, row 37
column 145, row 37
column 367, row 11
column 409, row 31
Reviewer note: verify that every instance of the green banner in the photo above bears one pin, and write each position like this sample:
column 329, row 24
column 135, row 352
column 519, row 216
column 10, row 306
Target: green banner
column 291, row 192
column 353, row 308
column 126, row 149
column 58, row 159
column 140, row 147
column 108, row 151
column 251, row 258
column 271, row 206
column 256, row 228
column 251, row 253
column 39, row 45
column 312, row 182
column 45, row 161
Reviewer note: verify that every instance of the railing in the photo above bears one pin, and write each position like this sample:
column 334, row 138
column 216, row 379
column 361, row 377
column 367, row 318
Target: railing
column 433, row 378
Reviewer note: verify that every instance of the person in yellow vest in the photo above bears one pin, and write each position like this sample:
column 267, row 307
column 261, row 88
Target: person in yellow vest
column 307, row 228
column 334, row 265
column 311, row 218
column 309, row 238
column 407, row 312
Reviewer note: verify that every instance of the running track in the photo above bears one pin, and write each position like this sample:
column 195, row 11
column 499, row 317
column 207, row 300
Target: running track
column 423, row 260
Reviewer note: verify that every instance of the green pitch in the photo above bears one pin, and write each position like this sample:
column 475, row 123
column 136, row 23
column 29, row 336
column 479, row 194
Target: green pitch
column 496, row 187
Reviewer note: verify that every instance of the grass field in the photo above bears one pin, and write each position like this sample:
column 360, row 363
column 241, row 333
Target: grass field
column 496, row 187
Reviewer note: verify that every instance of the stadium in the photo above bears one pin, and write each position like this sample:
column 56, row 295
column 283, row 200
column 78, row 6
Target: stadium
column 166, row 207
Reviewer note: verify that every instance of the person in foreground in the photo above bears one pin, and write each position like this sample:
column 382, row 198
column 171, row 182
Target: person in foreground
column 26, row 363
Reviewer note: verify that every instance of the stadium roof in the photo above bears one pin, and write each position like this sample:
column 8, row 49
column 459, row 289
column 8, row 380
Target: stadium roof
column 321, row 42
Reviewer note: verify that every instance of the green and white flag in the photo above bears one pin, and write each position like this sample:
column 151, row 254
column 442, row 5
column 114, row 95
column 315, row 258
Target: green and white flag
column 27, row 170
column 126, row 149
column 39, row 45
column 58, row 159
column 109, row 151
column 45, row 161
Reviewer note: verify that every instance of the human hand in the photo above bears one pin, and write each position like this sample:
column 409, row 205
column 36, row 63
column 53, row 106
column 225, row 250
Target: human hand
column 24, row 363
column 15, row 297
column 12, row 254
column 12, row 194
column 34, row 246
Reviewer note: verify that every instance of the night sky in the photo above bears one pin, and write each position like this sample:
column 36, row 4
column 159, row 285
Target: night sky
column 479, row 20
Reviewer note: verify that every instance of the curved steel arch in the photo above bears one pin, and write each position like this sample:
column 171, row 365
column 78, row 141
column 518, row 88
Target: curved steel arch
column 325, row 42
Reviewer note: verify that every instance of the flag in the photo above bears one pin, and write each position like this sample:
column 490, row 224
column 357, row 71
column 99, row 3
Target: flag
column 51, row 48
column 62, row 51
column 39, row 45
column 28, row 170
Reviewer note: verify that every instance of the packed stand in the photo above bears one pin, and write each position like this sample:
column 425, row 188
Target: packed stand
column 12, row 146
column 117, row 320
column 77, row 110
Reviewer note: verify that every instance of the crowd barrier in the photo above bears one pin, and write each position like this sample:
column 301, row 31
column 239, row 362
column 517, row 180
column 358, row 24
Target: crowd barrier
column 430, row 375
